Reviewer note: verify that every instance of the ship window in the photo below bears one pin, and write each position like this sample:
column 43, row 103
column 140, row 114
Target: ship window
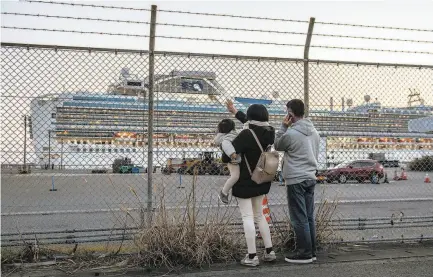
column 53, row 115
column 103, row 150
column 134, row 150
column 109, row 150
column 122, row 150
column 84, row 150
column 78, row 149
column 115, row 150
column 97, row 150
column 91, row 150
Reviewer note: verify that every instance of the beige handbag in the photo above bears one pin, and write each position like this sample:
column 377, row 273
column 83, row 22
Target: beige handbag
column 266, row 167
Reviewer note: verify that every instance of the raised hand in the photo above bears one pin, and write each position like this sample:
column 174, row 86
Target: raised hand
column 287, row 121
column 231, row 107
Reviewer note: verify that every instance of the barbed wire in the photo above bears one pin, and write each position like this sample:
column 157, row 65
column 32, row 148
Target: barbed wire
column 77, row 18
column 214, row 27
column 374, row 38
column 219, row 40
column 372, row 49
column 232, row 41
column 138, row 35
column 73, row 31
column 234, row 16
column 374, row 26
column 168, row 11
column 300, row 45
column 87, row 5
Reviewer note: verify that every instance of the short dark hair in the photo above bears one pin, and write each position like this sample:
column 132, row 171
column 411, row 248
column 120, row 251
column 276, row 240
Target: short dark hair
column 257, row 112
column 226, row 126
column 297, row 107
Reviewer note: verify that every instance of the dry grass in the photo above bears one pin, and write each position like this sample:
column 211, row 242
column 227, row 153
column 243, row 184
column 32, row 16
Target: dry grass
column 176, row 239
column 284, row 236
column 324, row 221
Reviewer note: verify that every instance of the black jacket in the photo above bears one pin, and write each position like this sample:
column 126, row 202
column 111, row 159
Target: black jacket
column 246, row 145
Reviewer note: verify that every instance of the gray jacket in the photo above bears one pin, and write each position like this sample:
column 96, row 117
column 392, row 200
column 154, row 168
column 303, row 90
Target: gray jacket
column 300, row 144
column 225, row 142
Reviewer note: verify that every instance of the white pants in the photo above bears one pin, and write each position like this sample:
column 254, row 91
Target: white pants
column 252, row 212
column 234, row 177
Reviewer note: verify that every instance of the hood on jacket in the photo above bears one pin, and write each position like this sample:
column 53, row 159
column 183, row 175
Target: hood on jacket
column 304, row 126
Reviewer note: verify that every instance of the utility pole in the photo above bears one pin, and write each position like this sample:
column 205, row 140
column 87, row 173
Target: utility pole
column 49, row 148
column 306, row 66
column 150, row 113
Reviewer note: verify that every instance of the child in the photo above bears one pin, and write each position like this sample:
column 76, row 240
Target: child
column 224, row 138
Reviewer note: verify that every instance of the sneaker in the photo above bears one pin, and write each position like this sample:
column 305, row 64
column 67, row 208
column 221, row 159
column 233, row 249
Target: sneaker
column 296, row 259
column 269, row 257
column 223, row 197
column 250, row 262
column 314, row 258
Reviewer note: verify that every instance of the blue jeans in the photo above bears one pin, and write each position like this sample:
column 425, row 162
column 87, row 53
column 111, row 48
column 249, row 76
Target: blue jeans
column 301, row 209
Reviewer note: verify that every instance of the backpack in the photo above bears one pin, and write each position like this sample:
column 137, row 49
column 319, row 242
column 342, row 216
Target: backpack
column 267, row 165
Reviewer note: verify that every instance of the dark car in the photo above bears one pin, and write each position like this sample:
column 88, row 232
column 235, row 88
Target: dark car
column 360, row 170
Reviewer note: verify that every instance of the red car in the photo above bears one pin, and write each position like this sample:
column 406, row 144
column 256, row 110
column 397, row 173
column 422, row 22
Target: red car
column 360, row 170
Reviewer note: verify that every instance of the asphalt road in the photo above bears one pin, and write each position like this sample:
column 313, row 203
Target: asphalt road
column 420, row 267
column 377, row 260
column 84, row 201
column 25, row 193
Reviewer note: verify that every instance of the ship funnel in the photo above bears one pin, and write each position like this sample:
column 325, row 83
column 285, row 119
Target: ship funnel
column 367, row 98
column 331, row 104
column 342, row 104
column 349, row 102
column 125, row 72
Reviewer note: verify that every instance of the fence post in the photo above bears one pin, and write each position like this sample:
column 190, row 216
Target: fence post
column 306, row 66
column 150, row 114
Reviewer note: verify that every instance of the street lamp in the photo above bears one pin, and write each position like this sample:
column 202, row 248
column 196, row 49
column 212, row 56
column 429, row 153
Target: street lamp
column 25, row 141
column 49, row 148
column 61, row 151
column 61, row 155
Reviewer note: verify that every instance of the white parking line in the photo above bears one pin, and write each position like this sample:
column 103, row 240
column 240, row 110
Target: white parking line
column 208, row 206
column 70, row 174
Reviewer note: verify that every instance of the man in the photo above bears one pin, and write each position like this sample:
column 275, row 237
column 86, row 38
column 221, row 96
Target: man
column 300, row 144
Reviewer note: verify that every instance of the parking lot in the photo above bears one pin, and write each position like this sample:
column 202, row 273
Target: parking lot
column 83, row 201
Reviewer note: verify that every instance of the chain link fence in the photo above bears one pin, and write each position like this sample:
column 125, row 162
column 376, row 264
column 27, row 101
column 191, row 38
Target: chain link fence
column 75, row 140
column 376, row 122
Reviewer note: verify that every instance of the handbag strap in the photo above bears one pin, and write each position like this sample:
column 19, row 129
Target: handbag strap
column 248, row 165
column 257, row 140
column 261, row 149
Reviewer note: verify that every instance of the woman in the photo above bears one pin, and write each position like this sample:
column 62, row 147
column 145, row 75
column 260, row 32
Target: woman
column 248, row 193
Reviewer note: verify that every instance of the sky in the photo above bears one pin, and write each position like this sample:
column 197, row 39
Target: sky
column 247, row 77
column 408, row 14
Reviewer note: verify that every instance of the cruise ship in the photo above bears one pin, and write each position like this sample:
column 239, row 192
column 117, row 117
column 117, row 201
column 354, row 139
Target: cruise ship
column 84, row 129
